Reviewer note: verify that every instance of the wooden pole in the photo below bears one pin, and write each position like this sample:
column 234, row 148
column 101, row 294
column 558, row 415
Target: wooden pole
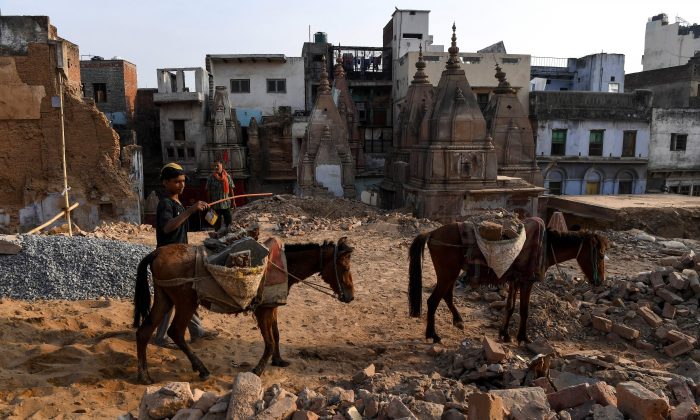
column 63, row 154
column 240, row 196
column 53, row 219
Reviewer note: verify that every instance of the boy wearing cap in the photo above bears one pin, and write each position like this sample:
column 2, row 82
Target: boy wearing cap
column 171, row 228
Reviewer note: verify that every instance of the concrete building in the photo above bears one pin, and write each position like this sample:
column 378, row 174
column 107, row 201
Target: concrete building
column 147, row 128
column 592, row 142
column 673, row 87
column 674, row 155
column 669, row 45
column 258, row 84
column 183, row 119
column 600, row 72
column 36, row 65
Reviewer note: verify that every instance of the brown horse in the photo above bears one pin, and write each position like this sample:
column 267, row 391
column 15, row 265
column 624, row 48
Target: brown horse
column 543, row 248
column 178, row 261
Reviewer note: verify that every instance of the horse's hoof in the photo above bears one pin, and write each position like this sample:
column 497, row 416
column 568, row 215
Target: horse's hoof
column 506, row 338
column 459, row 325
column 145, row 379
column 437, row 340
column 258, row 370
column 280, row 363
column 204, row 375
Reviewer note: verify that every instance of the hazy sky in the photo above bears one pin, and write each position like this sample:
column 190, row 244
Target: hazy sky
column 178, row 33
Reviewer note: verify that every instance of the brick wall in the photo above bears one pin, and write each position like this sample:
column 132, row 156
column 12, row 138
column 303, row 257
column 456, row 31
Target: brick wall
column 119, row 76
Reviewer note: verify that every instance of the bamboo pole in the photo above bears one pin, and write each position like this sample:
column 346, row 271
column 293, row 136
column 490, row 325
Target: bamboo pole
column 63, row 154
column 239, row 196
column 53, row 219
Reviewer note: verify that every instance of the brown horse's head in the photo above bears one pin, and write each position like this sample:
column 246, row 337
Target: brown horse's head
column 335, row 269
column 591, row 256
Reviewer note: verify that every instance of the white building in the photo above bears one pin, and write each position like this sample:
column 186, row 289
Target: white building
column 591, row 142
column 668, row 45
column 407, row 30
column 259, row 84
column 675, row 151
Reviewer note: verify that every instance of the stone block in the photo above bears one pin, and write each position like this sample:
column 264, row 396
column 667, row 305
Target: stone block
column 544, row 383
column 650, row 317
column 493, row 351
column 609, row 412
column 188, row 414
column 524, row 403
column 572, row 396
column 680, row 390
column 657, row 279
column 669, row 311
column 625, row 331
column 684, row 411
column 398, row 410
column 668, row 296
column 603, row 394
column 601, row 324
column 677, row 281
column 675, row 335
column 669, row 261
column 161, row 402
column 282, row 409
column 364, row 374
column 678, row 348
column 639, row 403
column 353, row 414
column 10, row 245
column 246, row 390
column 425, row 410
column 204, row 400
column 485, row 406
column 304, row 415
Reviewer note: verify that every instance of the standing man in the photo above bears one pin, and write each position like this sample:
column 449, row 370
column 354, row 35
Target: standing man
column 171, row 228
column 219, row 186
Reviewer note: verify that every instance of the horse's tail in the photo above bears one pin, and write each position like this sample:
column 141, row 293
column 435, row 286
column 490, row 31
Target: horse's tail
column 415, row 274
column 142, row 295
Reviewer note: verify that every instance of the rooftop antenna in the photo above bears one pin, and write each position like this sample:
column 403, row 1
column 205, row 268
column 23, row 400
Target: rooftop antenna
column 309, row 33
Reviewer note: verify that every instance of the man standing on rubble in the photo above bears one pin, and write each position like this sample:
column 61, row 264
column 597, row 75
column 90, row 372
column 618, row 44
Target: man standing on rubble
column 171, row 228
column 220, row 186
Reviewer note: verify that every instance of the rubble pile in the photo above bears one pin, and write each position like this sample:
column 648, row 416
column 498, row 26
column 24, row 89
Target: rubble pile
column 296, row 216
column 534, row 392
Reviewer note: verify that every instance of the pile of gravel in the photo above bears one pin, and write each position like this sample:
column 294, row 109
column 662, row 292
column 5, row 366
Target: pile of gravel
column 72, row 268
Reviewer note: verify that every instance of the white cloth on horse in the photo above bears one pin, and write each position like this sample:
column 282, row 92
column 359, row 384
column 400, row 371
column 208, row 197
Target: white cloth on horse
column 499, row 255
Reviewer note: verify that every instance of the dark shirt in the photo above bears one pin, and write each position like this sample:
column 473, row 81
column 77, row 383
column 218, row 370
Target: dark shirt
column 169, row 209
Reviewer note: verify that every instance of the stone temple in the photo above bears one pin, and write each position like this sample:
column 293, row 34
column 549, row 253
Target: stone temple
column 449, row 161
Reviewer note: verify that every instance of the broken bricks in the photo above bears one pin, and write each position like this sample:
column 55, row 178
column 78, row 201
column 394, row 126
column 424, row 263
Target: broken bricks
column 601, row 324
column 493, row 351
column 639, row 403
column 650, row 317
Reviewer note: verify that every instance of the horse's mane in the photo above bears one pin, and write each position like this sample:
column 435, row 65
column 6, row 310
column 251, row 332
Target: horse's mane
column 575, row 237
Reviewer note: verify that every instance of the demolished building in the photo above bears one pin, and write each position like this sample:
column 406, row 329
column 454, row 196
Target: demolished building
column 34, row 62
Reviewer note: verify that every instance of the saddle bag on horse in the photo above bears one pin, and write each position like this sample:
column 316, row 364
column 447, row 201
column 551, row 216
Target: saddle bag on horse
column 500, row 238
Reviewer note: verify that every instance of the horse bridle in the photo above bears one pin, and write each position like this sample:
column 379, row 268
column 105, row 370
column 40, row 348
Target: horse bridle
column 594, row 262
column 341, row 294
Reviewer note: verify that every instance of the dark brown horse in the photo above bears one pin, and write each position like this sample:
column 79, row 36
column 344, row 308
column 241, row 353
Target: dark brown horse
column 178, row 261
column 543, row 248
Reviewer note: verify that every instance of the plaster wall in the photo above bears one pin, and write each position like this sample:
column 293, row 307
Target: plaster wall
column 664, row 47
column 664, row 123
column 578, row 137
column 258, row 73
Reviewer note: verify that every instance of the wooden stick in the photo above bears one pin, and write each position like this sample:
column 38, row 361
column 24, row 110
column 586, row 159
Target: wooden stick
column 240, row 196
column 53, row 219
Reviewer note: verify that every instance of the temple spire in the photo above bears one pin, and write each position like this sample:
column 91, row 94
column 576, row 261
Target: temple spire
column 503, row 84
column 339, row 71
column 420, row 78
column 324, row 86
column 453, row 61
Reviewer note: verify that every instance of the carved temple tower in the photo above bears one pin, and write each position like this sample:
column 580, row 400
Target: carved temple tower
column 326, row 166
column 509, row 126
column 224, row 140
column 412, row 126
column 347, row 109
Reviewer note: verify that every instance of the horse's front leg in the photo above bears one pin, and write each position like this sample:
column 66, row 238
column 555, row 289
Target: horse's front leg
column 276, row 356
column 457, row 320
column 525, row 291
column 508, row 311
column 264, row 318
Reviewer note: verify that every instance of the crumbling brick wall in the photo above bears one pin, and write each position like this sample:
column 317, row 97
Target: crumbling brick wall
column 30, row 147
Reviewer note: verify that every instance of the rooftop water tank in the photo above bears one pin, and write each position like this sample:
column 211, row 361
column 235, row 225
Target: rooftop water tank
column 320, row 37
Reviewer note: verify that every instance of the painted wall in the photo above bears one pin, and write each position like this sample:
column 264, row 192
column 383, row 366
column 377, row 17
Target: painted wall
column 195, row 131
column 663, row 47
column 405, row 22
column 595, row 72
column 258, row 73
column 576, row 167
column 668, row 121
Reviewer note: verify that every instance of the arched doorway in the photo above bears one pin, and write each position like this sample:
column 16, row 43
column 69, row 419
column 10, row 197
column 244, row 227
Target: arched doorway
column 593, row 182
column 625, row 183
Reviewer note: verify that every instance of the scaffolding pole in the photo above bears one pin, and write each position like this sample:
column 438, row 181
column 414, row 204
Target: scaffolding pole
column 63, row 154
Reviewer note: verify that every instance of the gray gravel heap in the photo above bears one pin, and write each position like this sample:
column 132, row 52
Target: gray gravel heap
column 60, row 267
